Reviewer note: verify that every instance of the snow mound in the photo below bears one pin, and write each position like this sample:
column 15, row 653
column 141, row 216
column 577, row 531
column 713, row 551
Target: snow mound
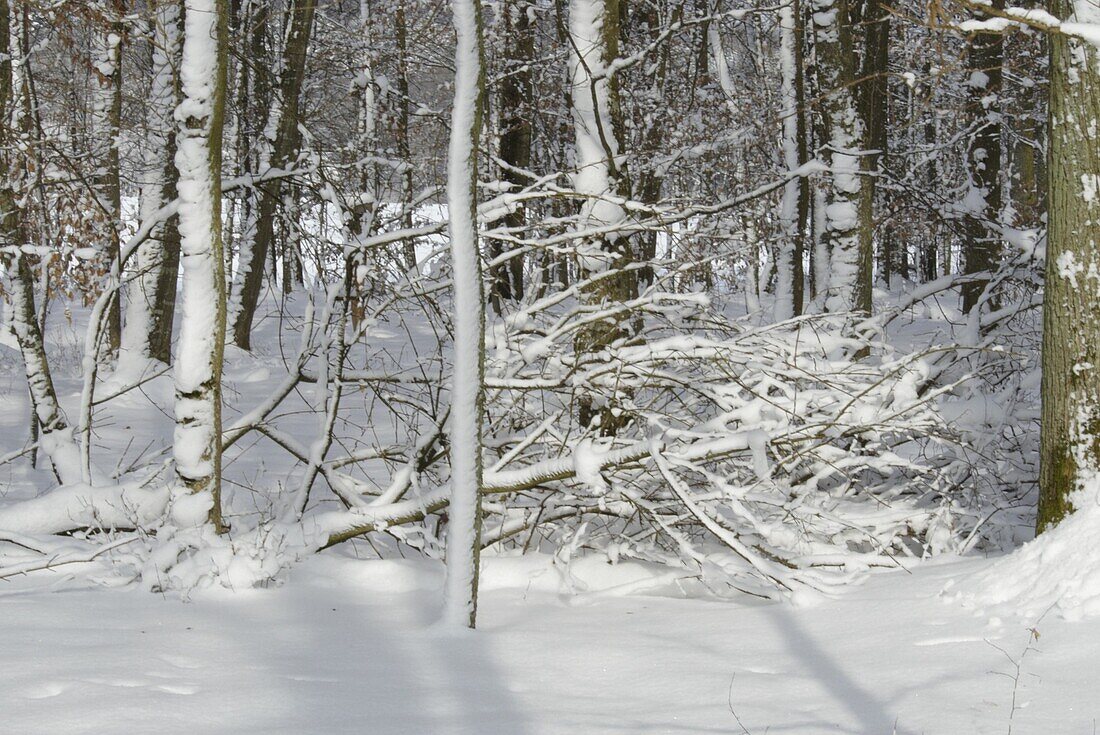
column 1058, row 572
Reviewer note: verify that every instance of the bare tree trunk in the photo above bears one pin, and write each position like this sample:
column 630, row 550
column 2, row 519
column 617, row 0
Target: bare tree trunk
column 55, row 434
column 874, row 101
column 401, row 31
column 152, row 294
column 464, row 527
column 198, row 437
column 848, row 227
column 795, row 205
column 597, row 126
column 108, row 125
column 1070, row 451
column 255, row 249
column 982, row 249
column 515, row 109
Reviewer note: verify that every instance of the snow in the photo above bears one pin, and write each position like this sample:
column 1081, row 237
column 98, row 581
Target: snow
column 347, row 645
column 1057, row 572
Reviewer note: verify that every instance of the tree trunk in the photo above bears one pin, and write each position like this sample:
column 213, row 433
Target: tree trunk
column 284, row 126
column 198, row 437
column 1070, row 451
column 401, row 32
column 982, row 202
column 597, row 127
column 468, row 397
column 152, row 293
column 795, row 205
column 874, row 103
column 108, row 125
column 515, row 111
column 847, row 223
column 55, row 434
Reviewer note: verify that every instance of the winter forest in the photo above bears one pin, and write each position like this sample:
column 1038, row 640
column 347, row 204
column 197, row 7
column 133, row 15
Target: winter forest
column 550, row 366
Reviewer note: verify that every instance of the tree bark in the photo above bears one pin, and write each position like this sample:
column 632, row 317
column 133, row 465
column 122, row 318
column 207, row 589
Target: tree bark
column 152, row 293
column 515, row 111
column 982, row 203
column 284, row 150
column 601, row 176
column 198, row 436
column 847, row 223
column 1070, row 445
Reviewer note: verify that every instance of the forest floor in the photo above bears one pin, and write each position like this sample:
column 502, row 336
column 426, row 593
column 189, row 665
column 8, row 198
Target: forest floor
column 347, row 645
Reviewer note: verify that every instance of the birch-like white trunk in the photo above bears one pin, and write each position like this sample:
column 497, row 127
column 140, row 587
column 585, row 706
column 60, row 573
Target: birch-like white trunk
column 143, row 294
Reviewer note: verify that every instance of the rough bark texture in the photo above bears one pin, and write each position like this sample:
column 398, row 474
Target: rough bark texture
column 1070, row 451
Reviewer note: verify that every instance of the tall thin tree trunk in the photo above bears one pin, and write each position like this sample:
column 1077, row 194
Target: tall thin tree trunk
column 597, row 127
column 515, row 110
column 1070, row 448
column 283, row 128
column 464, row 528
column 789, row 252
column 874, row 104
column 982, row 202
column 108, row 127
column 846, row 214
column 404, row 149
column 152, row 294
column 198, row 437
column 55, row 434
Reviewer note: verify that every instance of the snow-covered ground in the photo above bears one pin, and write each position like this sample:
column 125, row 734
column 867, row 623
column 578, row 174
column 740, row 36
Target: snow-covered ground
column 350, row 646
column 347, row 643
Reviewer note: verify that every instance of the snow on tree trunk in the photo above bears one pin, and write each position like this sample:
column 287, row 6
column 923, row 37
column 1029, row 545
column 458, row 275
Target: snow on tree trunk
column 146, row 332
column 849, row 287
column 197, row 445
column 597, row 127
column 467, row 403
column 1070, row 451
column 55, row 434
column 788, row 252
column 107, row 124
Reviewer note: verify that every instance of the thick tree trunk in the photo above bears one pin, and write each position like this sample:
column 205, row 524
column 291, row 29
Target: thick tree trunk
column 468, row 397
column 874, row 104
column 198, row 436
column 108, row 125
column 1070, row 452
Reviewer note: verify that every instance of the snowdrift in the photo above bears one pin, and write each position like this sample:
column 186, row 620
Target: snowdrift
column 1057, row 572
